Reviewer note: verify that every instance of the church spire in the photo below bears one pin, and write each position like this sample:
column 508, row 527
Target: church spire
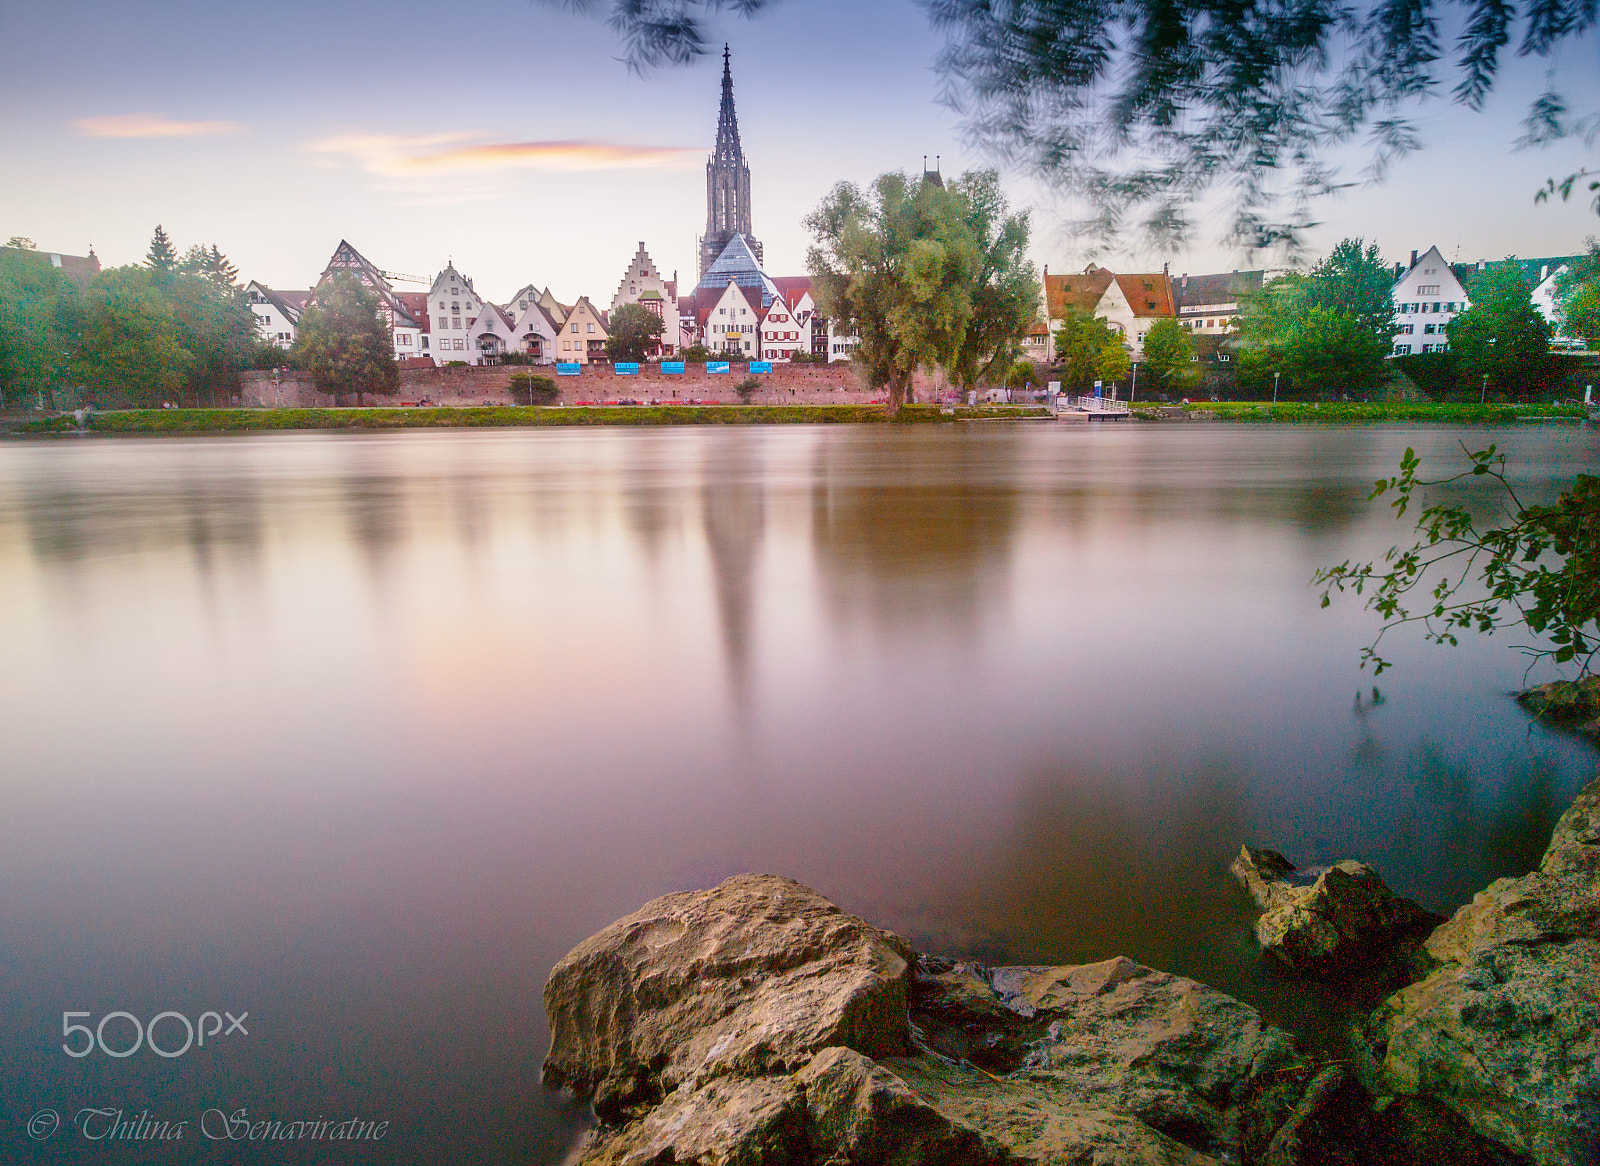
column 727, row 180
column 728, row 148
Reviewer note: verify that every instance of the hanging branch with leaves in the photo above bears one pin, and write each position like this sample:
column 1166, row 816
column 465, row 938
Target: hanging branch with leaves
column 1541, row 570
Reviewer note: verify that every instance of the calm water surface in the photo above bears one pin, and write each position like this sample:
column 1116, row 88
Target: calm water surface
column 360, row 734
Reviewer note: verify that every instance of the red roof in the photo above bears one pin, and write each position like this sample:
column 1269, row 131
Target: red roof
column 1148, row 294
column 1081, row 292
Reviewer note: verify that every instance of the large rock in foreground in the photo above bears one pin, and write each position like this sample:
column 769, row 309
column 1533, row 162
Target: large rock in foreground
column 1505, row 1034
column 756, row 1023
column 751, row 978
column 1342, row 919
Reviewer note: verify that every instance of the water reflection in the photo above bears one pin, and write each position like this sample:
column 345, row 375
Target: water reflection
column 733, row 514
column 370, row 730
column 926, row 551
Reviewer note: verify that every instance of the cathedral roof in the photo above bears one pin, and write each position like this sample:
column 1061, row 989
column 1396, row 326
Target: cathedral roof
column 738, row 263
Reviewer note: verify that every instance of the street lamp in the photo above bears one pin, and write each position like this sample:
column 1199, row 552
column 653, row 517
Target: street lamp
column 1134, row 387
column 1275, row 377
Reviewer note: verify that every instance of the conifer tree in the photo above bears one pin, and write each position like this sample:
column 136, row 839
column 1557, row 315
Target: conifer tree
column 162, row 258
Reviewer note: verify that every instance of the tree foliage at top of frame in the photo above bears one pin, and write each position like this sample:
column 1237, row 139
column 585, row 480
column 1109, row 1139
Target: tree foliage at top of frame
column 1141, row 107
column 1541, row 570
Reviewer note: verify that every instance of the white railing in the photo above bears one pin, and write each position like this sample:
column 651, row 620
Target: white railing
column 1101, row 405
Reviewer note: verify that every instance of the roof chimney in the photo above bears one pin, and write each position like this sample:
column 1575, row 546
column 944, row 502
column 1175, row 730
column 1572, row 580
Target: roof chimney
column 1413, row 259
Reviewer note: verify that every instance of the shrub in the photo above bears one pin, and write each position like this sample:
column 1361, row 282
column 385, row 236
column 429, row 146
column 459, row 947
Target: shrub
column 533, row 389
column 746, row 388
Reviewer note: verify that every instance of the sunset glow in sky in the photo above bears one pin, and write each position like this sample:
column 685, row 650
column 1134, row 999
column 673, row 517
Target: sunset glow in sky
column 507, row 136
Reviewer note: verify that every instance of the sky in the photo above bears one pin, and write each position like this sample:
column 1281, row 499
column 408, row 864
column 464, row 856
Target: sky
column 508, row 137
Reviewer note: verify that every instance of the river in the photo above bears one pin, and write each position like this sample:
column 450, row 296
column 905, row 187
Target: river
column 358, row 734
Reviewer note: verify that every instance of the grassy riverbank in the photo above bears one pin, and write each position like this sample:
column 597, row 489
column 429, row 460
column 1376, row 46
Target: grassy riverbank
column 1343, row 412
column 256, row 420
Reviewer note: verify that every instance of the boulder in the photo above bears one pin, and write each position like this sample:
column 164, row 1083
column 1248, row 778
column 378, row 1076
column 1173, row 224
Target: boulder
column 1340, row 919
column 757, row 1023
column 750, row 978
column 1570, row 704
column 1504, row 1033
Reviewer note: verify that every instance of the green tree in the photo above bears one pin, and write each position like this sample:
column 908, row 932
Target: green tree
column 635, row 332
column 1578, row 296
column 1143, row 107
column 210, row 263
column 1323, row 333
column 22, row 243
column 161, row 258
column 1081, row 343
column 1005, row 297
column 216, row 328
column 1540, row 570
column 1355, row 282
column 1502, row 336
column 344, row 343
column 131, row 351
column 1115, row 361
column 898, row 266
column 40, row 328
column 1169, row 357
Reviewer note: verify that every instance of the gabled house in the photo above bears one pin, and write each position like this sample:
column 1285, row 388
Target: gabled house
column 783, row 333
column 277, row 313
column 1427, row 296
column 583, row 335
column 405, row 330
column 453, row 303
column 1131, row 304
column 533, row 328
column 491, row 334
column 732, row 322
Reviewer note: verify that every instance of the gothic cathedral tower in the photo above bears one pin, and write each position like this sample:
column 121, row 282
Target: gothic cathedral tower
column 727, row 182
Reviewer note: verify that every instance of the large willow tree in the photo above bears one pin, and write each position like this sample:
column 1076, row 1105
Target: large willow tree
column 927, row 275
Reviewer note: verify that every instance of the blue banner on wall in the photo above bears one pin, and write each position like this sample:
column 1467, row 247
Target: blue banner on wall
column 625, row 369
column 568, row 370
column 716, row 366
column 760, row 366
column 672, row 368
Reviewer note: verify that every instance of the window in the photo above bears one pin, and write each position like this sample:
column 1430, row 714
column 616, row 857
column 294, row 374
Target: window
column 722, row 311
column 1407, row 329
column 1428, row 289
column 1427, row 329
column 1401, row 349
column 460, row 345
column 405, row 340
column 574, row 329
column 591, row 327
column 455, row 321
column 424, row 342
column 1427, row 348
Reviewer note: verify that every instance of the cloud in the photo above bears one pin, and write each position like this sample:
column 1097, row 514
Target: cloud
column 437, row 154
column 151, row 125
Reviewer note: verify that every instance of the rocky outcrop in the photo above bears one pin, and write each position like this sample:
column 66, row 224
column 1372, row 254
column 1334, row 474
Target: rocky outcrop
column 1571, row 704
column 757, row 1023
column 1339, row 919
column 1504, row 1034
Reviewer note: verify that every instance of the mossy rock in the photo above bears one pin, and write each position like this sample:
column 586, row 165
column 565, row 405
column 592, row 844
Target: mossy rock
column 1571, row 704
